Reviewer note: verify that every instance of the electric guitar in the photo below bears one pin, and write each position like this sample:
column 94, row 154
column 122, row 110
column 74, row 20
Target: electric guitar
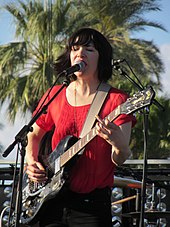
column 60, row 161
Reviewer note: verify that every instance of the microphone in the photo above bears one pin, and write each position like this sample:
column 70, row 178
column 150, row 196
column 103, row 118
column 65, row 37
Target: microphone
column 116, row 62
column 77, row 67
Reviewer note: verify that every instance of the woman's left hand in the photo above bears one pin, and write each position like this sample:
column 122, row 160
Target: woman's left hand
column 109, row 131
column 115, row 136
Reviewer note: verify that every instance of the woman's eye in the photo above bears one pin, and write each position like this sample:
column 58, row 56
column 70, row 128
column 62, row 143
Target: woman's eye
column 75, row 48
column 90, row 49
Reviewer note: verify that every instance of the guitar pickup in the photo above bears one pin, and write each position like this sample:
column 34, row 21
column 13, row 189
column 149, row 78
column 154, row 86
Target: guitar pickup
column 57, row 165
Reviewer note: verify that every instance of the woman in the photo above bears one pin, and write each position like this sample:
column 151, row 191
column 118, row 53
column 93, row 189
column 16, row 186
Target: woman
column 87, row 200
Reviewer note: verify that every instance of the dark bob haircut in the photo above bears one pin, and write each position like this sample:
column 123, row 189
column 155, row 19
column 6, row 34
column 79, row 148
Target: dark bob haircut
column 83, row 37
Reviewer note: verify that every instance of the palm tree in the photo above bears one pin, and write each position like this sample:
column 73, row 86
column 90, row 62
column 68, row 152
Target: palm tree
column 41, row 31
column 158, row 133
column 25, row 65
column 119, row 21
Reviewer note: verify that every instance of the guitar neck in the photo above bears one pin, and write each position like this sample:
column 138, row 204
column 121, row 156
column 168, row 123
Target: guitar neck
column 81, row 143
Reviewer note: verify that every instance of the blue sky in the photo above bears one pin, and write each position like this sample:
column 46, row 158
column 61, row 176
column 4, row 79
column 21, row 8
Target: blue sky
column 163, row 17
column 160, row 38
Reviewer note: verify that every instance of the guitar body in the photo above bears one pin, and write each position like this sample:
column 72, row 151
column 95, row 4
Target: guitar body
column 35, row 195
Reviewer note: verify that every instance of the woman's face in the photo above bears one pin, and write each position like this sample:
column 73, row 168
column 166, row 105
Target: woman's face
column 89, row 55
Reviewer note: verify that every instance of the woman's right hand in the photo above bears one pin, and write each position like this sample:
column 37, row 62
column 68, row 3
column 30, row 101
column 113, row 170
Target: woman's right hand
column 36, row 172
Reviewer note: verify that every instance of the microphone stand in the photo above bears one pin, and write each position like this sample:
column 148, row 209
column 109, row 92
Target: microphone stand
column 145, row 128
column 21, row 138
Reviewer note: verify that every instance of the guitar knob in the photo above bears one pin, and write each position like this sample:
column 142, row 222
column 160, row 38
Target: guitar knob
column 27, row 204
column 29, row 213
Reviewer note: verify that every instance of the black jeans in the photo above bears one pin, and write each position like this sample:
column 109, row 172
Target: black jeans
column 73, row 210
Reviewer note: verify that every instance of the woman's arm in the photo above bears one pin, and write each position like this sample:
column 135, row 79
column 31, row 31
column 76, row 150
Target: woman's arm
column 121, row 152
column 35, row 169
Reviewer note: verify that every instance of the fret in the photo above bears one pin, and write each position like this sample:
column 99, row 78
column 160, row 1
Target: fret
column 93, row 132
column 69, row 153
column 88, row 136
column 83, row 140
column 115, row 113
column 77, row 146
column 80, row 143
column 73, row 150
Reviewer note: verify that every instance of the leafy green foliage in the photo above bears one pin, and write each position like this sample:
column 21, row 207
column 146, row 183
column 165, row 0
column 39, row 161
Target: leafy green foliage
column 41, row 33
column 158, row 145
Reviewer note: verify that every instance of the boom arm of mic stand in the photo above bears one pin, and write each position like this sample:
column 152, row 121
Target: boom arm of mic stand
column 140, row 87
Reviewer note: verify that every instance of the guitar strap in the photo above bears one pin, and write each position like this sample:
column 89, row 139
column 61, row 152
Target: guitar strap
column 95, row 108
